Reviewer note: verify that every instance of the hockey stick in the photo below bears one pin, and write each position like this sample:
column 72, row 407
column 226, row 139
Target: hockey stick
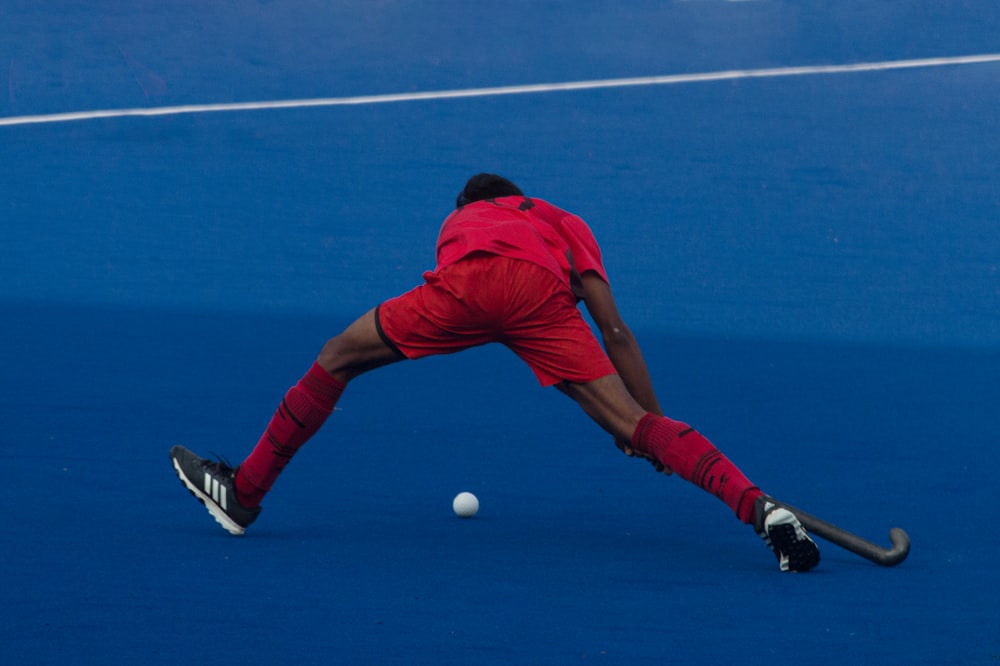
column 887, row 557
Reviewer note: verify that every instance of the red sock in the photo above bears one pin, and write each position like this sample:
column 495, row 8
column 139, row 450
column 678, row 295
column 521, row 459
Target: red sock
column 681, row 448
column 305, row 408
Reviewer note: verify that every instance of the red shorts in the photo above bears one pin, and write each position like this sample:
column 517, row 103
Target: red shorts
column 489, row 298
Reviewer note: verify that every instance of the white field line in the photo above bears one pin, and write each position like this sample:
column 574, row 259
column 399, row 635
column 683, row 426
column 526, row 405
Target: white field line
column 670, row 79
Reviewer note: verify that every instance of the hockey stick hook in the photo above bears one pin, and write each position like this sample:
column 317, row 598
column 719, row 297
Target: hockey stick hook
column 886, row 557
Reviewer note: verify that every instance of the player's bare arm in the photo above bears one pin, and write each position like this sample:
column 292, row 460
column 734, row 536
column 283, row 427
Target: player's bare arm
column 621, row 345
column 622, row 349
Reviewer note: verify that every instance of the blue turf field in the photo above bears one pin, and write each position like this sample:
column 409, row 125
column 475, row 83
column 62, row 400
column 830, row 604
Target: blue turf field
column 810, row 262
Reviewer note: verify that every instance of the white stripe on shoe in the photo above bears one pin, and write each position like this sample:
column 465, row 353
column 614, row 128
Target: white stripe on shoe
column 210, row 500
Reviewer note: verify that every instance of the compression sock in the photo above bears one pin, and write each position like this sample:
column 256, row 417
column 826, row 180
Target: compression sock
column 681, row 448
column 304, row 409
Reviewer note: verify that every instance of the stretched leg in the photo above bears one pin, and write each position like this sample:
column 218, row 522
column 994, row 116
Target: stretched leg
column 674, row 445
column 677, row 446
column 307, row 405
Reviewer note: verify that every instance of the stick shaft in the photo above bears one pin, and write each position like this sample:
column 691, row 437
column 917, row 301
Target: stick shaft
column 886, row 557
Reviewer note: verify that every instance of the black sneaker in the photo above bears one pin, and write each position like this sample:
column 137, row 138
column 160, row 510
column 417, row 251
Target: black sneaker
column 784, row 535
column 212, row 484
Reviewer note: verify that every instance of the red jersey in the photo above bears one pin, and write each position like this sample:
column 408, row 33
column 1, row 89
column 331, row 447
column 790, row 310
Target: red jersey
column 521, row 228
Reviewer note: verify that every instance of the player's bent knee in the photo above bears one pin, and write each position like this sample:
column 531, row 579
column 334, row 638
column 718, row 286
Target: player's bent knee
column 346, row 356
column 332, row 356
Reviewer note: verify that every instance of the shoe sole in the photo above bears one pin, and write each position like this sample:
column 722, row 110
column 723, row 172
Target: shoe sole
column 214, row 509
column 797, row 552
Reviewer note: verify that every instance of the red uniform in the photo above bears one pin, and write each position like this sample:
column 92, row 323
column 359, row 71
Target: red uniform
column 521, row 228
column 504, row 275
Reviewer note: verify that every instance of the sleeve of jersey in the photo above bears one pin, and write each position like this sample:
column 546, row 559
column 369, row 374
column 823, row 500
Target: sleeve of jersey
column 583, row 245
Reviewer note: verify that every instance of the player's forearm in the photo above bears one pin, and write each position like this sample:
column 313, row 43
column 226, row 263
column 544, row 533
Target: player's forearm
column 626, row 356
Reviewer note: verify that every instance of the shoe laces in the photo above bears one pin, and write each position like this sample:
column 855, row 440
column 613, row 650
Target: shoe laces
column 221, row 465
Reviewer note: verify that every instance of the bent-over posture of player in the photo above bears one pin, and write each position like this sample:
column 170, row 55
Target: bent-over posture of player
column 510, row 269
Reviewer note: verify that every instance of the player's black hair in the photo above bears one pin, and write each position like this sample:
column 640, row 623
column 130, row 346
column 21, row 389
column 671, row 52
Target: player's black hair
column 486, row 186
